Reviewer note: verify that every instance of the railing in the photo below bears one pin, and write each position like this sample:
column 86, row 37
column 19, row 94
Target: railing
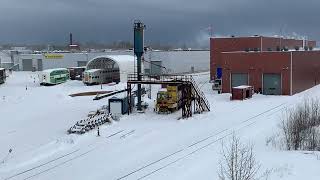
column 162, row 78
column 174, row 78
column 200, row 93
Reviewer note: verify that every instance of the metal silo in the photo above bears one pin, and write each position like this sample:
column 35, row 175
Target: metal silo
column 138, row 51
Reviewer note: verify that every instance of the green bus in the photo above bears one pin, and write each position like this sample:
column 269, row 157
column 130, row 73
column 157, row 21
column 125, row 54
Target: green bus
column 54, row 76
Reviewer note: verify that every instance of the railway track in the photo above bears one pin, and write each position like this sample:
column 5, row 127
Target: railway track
column 58, row 161
column 172, row 158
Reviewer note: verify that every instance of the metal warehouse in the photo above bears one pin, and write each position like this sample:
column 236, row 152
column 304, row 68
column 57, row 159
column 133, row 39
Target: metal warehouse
column 271, row 65
column 170, row 59
column 39, row 62
column 121, row 64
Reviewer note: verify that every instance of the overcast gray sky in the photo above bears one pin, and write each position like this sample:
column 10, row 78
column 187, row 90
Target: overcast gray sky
column 168, row 21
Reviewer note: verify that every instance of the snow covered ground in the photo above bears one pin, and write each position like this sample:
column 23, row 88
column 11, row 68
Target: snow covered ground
column 139, row 146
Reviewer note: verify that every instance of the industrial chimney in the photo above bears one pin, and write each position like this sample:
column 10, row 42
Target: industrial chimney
column 71, row 40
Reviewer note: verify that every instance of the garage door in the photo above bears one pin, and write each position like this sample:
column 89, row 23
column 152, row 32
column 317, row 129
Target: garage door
column 238, row 79
column 40, row 66
column 82, row 63
column 27, row 64
column 272, row 84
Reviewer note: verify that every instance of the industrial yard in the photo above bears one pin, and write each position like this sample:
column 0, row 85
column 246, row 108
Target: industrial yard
column 159, row 90
column 145, row 146
column 128, row 117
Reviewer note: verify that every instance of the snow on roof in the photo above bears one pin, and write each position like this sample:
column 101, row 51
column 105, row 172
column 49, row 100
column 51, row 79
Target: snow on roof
column 56, row 69
column 125, row 63
column 77, row 67
column 242, row 87
column 163, row 90
column 1, row 69
column 92, row 70
column 289, row 51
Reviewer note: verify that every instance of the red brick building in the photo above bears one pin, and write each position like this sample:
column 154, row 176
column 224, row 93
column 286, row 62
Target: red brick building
column 271, row 65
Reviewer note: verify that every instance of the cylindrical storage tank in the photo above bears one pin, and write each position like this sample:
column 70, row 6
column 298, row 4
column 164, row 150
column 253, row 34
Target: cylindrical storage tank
column 138, row 37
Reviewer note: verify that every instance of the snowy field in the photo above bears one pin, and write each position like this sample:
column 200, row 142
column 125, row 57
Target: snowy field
column 139, row 146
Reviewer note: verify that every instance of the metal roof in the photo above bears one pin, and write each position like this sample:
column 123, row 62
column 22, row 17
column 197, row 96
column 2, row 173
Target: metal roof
column 125, row 64
column 51, row 70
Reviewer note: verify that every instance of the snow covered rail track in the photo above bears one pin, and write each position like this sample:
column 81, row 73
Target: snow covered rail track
column 127, row 134
column 56, row 162
column 115, row 134
column 181, row 154
column 59, row 164
column 41, row 165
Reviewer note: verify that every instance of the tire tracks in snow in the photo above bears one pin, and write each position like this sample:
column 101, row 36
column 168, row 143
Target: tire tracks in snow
column 127, row 134
column 43, row 164
column 191, row 149
column 60, row 164
column 62, row 157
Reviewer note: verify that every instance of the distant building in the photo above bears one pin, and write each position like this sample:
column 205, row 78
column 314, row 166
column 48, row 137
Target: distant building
column 171, row 60
column 272, row 65
column 5, row 60
column 74, row 48
column 51, row 60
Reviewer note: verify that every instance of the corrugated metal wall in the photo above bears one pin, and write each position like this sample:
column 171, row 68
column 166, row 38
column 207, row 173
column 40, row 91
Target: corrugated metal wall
column 27, row 65
column 172, row 60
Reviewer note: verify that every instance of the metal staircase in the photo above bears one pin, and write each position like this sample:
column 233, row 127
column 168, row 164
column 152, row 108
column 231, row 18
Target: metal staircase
column 200, row 98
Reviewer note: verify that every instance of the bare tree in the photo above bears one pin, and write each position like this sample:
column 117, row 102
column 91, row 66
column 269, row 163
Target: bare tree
column 238, row 161
column 299, row 126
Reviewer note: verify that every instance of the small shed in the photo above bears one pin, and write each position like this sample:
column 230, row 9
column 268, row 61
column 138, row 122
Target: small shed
column 242, row 92
column 119, row 106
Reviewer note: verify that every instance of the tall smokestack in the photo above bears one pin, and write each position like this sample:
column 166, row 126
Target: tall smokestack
column 71, row 40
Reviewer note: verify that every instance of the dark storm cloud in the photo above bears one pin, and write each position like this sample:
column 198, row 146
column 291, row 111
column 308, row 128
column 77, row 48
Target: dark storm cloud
column 168, row 21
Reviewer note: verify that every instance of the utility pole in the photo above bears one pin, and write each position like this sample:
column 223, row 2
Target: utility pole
column 150, row 54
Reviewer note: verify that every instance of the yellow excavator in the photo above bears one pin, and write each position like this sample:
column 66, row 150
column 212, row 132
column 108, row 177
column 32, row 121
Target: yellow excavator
column 168, row 99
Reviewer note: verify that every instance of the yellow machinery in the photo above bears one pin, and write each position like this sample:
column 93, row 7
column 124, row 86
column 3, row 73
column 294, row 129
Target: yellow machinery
column 168, row 99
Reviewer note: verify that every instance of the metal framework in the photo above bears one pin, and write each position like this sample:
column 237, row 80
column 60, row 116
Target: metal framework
column 103, row 63
column 190, row 91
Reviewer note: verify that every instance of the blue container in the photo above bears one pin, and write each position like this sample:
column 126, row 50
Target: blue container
column 219, row 73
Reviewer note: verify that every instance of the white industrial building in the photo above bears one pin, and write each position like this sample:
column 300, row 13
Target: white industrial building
column 172, row 60
column 39, row 62
column 5, row 60
column 123, row 64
